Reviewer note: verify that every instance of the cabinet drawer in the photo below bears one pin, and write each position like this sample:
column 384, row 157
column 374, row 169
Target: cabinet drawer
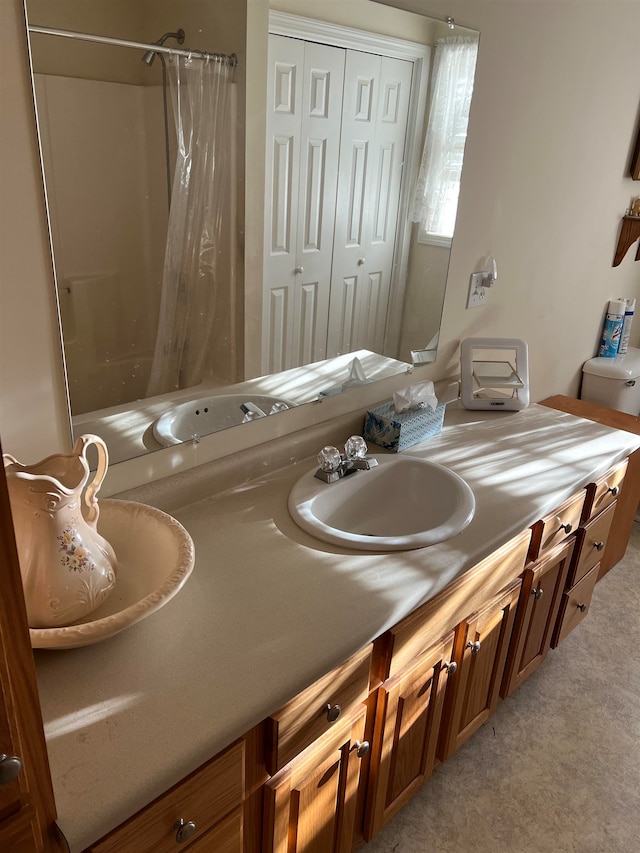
column 225, row 837
column 555, row 527
column 592, row 544
column 604, row 491
column 310, row 714
column 205, row 797
column 426, row 625
column 575, row 606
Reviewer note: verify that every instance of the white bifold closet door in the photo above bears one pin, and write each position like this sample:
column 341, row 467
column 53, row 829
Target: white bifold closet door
column 336, row 126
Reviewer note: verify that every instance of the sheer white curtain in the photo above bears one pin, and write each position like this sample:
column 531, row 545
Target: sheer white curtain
column 200, row 93
column 436, row 199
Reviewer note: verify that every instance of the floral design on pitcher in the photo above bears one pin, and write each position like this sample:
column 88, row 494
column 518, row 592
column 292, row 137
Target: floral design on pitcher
column 74, row 556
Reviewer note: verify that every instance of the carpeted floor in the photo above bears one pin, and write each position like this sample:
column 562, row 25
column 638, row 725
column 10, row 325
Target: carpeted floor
column 557, row 767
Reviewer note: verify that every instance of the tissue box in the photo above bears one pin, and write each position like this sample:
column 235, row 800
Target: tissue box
column 383, row 426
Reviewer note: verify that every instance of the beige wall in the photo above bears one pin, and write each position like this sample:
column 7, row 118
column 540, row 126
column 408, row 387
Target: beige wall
column 544, row 187
column 545, row 184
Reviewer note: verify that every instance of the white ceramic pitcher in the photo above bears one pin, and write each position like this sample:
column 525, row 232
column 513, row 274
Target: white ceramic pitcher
column 68, row 568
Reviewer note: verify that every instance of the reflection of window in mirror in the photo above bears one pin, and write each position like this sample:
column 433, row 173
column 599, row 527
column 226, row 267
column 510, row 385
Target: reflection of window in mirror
column 438, row 184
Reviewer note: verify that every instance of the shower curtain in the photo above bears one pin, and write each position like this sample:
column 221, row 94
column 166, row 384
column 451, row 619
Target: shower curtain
column 200, row 94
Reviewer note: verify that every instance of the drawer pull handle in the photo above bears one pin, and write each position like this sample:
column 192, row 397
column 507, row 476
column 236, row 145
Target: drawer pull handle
column 568, row 527
column 451, row 667
column 582, row 607
column 475, row 647
column 333, row 712
column 10, row 768
column 614, row 490
column 537, row 593
column 598, row 546
column 184, row 830
column 361, row 747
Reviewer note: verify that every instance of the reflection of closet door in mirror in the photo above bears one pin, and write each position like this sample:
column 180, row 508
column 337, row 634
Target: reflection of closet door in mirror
column 304, row 99
column 374, row 125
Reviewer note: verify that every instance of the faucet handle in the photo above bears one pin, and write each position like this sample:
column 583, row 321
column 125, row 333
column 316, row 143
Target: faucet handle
column 356, row 447
column 329, row 459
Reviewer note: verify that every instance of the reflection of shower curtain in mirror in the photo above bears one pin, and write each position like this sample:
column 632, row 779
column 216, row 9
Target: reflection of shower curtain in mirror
column 200, row 93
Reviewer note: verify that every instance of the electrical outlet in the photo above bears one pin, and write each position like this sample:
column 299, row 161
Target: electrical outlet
column 477, row 293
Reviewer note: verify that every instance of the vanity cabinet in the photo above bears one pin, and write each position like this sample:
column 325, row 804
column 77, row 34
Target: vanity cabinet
column 313, row 712
column 591, row 542
column 407, row 715
column 27, row 809
column 310, row 805
column 543, row 583
column 203, row 808
column 480, row 650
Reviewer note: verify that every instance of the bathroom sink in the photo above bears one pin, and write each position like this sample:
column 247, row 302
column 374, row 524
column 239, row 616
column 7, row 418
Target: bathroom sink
column 189, row 420
column 403, row 503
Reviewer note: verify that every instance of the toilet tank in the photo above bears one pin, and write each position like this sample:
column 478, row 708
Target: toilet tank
column 613, row 382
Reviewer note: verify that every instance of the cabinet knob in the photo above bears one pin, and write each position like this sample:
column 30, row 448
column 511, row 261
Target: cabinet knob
column 451, row 667
column 361, row 748
column 184, row 830
column 537, row 593
column 361, row 262
column 568, row 527
column 332, row 712
column 475, row 647
column 10, row 768
column 298, row 270
column 614, row 490
column 582, row 607
column 598, row 546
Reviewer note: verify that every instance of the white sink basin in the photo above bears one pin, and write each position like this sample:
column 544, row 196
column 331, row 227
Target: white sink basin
column 201, row 417
column 403, row 503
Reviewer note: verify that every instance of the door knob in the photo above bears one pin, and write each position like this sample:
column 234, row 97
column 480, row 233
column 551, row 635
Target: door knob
column 361, row 262
column 298, row 270
column 10, row 768
column 361, row 747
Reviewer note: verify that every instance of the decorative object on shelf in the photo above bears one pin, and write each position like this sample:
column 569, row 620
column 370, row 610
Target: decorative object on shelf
column 68, row 569
column 629, row 232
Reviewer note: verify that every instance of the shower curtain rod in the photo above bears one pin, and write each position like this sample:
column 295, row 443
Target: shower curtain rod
column 158, row 48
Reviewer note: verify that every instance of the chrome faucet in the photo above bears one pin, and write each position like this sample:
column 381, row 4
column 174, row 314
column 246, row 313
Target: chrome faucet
column 335, row 465
column 252, row 411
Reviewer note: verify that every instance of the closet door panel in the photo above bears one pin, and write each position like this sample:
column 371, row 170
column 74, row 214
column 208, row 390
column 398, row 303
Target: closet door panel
column 320, row 147
column 304, row 98
column 284, row 105
column 374, row 120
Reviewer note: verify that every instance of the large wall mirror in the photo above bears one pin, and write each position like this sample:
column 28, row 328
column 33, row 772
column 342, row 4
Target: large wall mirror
column 164, row 336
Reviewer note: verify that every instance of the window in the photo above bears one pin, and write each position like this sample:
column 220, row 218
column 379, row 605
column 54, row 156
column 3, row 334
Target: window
column 438, row 187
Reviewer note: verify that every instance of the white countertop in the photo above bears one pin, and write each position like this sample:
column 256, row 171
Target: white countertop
column 268, row 609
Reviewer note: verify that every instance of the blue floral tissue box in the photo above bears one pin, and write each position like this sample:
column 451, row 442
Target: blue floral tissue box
column 384, row 427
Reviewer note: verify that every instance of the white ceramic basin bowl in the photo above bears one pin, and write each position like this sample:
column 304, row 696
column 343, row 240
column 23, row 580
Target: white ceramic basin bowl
column 403, row 503
column 155, row 557
column 201, row 417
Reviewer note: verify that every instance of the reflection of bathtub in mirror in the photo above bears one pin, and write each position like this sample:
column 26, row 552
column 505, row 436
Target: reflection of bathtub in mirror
column 127, row 429
column 190, row 420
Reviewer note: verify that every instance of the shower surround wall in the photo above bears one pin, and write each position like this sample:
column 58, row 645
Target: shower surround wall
column 108, row 214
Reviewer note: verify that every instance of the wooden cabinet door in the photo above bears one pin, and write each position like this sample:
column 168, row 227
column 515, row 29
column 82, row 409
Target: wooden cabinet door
column 27, row 810
column 542, row 588
column 480, row 651
column 310, row 804
column 407, row 724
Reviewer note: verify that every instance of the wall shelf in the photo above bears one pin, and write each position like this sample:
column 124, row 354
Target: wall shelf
column 629, row 233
